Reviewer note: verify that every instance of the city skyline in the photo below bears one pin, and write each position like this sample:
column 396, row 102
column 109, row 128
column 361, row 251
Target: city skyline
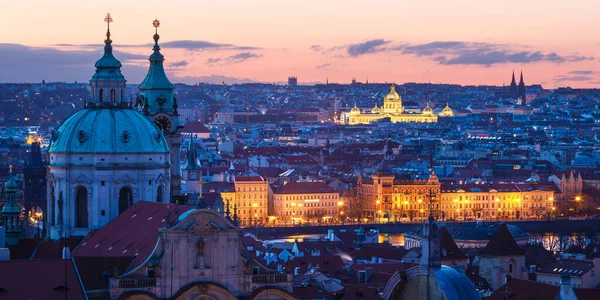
column 465, row 42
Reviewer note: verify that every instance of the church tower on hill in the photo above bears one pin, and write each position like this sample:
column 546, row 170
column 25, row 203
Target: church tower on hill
column 159, row 104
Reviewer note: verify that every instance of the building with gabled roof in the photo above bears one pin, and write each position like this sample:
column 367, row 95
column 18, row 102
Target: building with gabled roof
column 501, row 257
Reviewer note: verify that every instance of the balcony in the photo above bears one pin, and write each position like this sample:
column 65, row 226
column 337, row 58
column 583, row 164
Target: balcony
column 269, row 278
column 130, row 283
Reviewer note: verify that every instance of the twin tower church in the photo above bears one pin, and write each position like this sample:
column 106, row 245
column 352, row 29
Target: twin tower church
column 115, row 151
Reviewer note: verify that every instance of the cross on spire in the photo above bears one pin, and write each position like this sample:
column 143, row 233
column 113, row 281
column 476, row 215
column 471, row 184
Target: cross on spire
column 156, row 24
column 108, row 19
column 11, row 168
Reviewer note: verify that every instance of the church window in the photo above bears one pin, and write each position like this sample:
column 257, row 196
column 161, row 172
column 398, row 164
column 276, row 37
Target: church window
column 102, row 183
column 125, row 199
column 101, row 95
column 510, row 268
column 149, row 182
column 81, row 207
column 112, row 95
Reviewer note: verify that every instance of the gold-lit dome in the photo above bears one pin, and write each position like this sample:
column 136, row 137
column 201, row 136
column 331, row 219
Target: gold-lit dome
column 447, row 112
column 375, row 109
column 427, row 110
column 355, row 110
column 392, row 95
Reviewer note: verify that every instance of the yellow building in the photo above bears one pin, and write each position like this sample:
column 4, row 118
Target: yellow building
column 387, row 199
column 306, row 202
column 392, row 108
column 250, row 199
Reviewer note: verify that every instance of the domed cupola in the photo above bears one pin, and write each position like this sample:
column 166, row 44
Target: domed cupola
column 392, row 95
column 447, row 112
column 104, row 158
column 108, row 83
column 355, row 110
column 156, row 89
column 427, row 111
column 375, row 110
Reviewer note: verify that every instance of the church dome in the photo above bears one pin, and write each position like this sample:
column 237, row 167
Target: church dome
column 428, row 111
column 375, row 109
column 447, row 112
column 355, row 110
column 392, row 95
column 108, row 130
column 11, row 184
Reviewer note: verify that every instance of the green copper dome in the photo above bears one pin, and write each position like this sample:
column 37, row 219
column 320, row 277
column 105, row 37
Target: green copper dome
column 108, row 130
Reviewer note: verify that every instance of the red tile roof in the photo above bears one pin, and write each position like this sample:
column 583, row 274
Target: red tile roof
column 502, row 243
column 448, row 247
column 92, row 270
column 305, row 188
column 571, row 267
column 39, row 279
column 134, row 233
column 194, row 127
column 248, row 178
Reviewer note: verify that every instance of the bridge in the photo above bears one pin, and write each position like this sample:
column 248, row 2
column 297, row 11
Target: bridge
column 554, row 226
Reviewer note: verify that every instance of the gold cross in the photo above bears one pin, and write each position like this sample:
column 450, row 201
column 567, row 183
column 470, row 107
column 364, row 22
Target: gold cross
column 108, row 19
column 156, row 24
column 11, row 168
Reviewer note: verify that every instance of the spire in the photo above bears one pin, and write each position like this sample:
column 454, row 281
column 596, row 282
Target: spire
column 521, row 82
column 513, row 81
column 108, row 60
column 156, row 78
column 11, row 211
column 191, row 156
column 430, row 253
column 108, row 83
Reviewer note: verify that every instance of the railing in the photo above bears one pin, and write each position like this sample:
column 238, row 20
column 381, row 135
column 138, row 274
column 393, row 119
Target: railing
column 137, row 283
column 269, row 278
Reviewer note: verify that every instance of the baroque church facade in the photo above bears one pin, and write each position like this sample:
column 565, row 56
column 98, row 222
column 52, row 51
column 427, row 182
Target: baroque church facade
column 114, row 152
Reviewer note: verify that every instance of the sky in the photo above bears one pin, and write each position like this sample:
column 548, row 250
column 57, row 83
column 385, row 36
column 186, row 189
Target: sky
column 469, row 42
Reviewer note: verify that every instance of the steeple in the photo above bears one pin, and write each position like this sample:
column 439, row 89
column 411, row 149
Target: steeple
column 108, row 83
column 521, row 82
column 513, row 83
column 156, row 87
column 11, row 211
column 191, row 163
column 430, row 253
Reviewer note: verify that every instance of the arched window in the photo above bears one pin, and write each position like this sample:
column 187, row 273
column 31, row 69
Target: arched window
column 159, row 194
column 101, row 95
column 510, row 268
column 81, row 207
column 125, row 199
column 112, row 95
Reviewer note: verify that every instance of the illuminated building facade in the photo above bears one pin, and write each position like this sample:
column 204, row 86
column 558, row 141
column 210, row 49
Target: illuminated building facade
column 386, row 199
column 301, row 202
column 249, row 201
column 392, row 108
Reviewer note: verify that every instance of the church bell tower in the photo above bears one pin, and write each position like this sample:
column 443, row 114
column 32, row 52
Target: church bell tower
column 159, row 103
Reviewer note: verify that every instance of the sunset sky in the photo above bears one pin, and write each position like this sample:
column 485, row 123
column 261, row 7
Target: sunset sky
column 555, row 43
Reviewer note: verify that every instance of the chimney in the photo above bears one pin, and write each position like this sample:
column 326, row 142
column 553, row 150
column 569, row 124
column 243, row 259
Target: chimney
column 566, row 290
column 368, row 274
column 374, row 259
column 296, row 271
column 380, row 260
column 66, row 253
column 257, row 253
column 330, row 234
column 279, row 268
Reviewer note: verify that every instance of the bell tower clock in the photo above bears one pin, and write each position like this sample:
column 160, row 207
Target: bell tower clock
column 159, row 104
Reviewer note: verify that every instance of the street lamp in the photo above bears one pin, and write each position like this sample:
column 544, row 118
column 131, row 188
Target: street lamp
column 577, row 200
